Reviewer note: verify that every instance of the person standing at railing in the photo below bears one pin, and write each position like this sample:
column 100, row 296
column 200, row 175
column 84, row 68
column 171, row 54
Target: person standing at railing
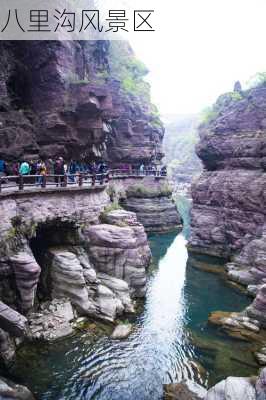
column 24, row 168
column 59, row 171
column 72, row 170
column 3, row 170
column 41, row 172
column 164, row 171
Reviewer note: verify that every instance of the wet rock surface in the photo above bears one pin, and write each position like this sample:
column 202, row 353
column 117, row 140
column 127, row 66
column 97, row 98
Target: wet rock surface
column 122, row 331
column 52, row 322
column 183, row 391
column 10, row 390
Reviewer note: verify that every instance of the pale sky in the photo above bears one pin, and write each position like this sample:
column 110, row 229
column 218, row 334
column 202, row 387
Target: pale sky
column 200, row 48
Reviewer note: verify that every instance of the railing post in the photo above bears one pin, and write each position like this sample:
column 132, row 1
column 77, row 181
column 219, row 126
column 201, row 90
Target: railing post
column 80, row 180
column 20, row 182
column 65, row 181
column 93, row 179
column 0, row 185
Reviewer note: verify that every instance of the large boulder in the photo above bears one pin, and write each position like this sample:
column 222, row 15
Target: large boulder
column 65, row 278
column 70, row 274
column 120, row 251
column 12, row 322
column 232, row 389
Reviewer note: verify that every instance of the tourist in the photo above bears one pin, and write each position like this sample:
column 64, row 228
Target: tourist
column 41, row 172
column 15, row 168
column 163, row 171
column 2, row 170
column 50, row 167
column 59, row 171
column 142, row 169
column 24, row 168
column 72, row 170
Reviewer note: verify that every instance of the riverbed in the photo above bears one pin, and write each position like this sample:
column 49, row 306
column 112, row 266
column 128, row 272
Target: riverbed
column 171, row 339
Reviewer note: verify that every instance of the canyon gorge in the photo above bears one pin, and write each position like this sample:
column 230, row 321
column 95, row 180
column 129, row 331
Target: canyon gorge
column 77, row 263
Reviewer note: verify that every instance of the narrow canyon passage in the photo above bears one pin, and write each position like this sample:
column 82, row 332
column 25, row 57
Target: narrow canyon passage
column 170, row 341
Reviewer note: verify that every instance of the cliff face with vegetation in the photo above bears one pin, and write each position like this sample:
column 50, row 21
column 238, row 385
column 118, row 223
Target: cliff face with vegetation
column 83, row 100
column 229, row 198
column 68, row 253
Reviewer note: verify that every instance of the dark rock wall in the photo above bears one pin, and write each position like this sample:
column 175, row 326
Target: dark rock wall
column 69, row 99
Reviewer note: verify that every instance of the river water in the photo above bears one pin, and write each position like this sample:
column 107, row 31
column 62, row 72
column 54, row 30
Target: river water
column 171, row 340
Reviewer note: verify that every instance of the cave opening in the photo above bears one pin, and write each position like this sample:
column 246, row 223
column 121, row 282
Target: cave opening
column 51, row 235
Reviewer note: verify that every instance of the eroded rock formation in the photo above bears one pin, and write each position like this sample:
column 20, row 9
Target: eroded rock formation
column 228, row 215
column 73, row 99
column 229, row 198
column 58, row 261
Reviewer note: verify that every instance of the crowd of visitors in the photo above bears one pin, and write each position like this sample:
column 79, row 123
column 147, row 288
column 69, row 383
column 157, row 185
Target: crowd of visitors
column 59, row 168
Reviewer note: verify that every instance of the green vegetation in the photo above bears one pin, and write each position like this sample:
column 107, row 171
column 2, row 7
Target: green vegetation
column 259, row 79
column 236, row 96
column 128, row 69
column 142, row 191
column 211, row 113
column 208, row 114
column 111, row 207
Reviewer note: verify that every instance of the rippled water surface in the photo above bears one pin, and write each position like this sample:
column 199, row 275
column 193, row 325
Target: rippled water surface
column 170, row 341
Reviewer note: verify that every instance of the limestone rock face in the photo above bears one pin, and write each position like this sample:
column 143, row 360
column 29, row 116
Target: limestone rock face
column 151, row 200
column 69, row 273
column 26, row 272
column 66, row 278
column 229, row 198
column 11, row 321
column 52, row 322
column 120, row 251
column 156, row 214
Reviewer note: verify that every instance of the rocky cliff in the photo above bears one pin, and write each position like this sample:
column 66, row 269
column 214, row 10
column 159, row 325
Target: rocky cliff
column 83, row 100
column 63, row 254
column 228, row 215
column 229, row 198
column 59, row 262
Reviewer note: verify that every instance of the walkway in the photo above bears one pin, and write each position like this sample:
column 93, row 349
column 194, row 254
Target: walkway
column 35, row 183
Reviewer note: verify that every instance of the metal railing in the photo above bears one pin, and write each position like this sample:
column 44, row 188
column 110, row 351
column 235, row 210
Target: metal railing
column 28, row 182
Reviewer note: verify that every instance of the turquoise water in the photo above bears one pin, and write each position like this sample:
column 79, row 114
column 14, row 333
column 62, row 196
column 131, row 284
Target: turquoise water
column 171, row 340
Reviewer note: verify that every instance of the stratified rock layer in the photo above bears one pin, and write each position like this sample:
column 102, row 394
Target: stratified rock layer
column 67, row 99
column 151, row 200
column 229, row 198
column 121, row 251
